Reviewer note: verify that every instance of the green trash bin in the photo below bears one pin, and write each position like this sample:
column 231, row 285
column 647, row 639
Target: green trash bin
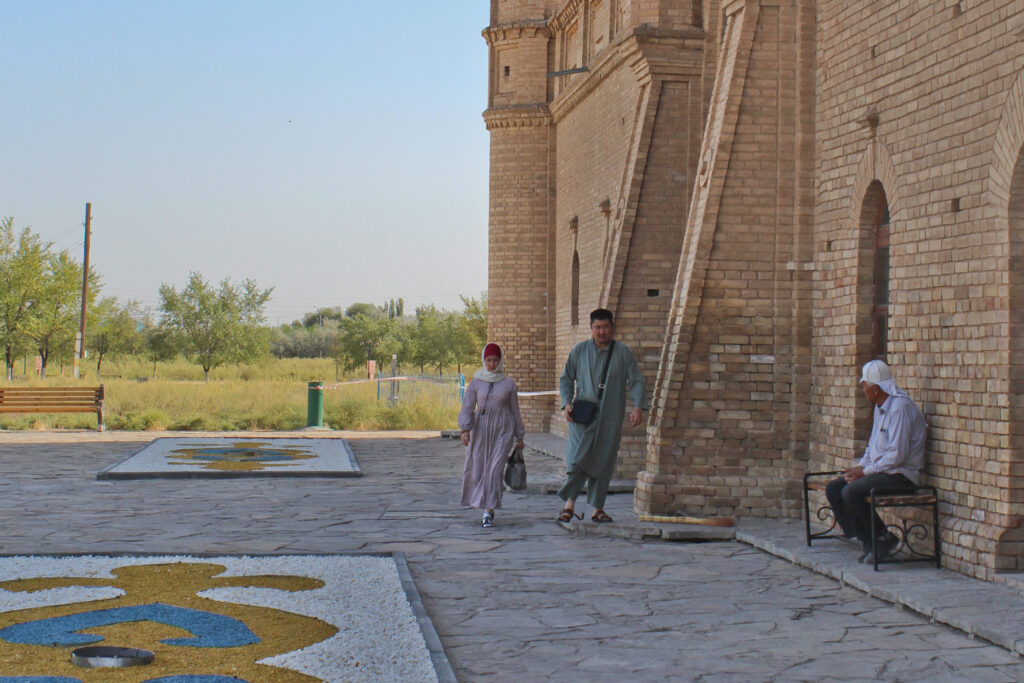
column 315, row 404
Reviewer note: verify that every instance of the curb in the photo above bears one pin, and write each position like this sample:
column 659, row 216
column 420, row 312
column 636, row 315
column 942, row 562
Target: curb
column 989, row 611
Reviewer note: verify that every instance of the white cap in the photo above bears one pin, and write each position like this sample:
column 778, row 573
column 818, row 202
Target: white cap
column 875, row 372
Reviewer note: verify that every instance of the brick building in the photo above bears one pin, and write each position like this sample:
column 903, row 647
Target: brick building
column 768, row 193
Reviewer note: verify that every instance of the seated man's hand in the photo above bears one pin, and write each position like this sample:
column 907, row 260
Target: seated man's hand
column 853, row 473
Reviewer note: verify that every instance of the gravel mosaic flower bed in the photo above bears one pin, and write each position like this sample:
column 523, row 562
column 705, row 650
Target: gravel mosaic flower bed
column 279, row 618
column 236, row 457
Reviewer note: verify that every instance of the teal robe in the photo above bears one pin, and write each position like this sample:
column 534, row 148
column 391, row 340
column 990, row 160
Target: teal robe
column 594, row 448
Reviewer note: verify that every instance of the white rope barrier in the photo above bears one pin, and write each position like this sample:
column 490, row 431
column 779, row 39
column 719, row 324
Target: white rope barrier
column 342, row 385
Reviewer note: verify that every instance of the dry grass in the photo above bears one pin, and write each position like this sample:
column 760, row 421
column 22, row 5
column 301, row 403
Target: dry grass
column 268, row 396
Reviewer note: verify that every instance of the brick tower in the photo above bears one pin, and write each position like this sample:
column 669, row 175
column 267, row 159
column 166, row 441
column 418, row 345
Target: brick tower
column 521, row 191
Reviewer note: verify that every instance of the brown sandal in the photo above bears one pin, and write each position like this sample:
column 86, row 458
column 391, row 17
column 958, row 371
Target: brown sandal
column 566, row 515
column 600, row 517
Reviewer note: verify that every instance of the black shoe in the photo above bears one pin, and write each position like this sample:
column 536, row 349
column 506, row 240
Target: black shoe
column 886, row 545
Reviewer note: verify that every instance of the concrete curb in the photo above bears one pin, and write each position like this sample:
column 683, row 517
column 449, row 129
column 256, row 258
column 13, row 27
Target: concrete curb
column 991, row 611
column 438, row 657
column 631, row 528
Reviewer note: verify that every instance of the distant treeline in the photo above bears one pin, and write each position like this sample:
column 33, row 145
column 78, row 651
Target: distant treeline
column 429, row 339
column 40, row 304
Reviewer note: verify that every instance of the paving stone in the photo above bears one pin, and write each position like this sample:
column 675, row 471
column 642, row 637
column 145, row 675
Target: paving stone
column 525, row 600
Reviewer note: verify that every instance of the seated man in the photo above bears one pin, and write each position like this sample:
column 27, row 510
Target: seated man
column 893, row 459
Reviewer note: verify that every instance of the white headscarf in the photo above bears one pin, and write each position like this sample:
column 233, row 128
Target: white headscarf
column 878, row 373
column 486, row 375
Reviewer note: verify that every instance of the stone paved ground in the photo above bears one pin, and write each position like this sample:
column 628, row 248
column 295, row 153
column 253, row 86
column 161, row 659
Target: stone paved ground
column 523, row 601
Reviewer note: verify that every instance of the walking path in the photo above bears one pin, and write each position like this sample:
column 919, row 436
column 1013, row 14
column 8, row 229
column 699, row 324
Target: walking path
column 524, row 600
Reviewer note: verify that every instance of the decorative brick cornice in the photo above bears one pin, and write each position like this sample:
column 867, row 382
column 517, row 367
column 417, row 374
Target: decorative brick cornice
column 517, row 116
column 651, row 53
column 566, row 15
column 515, row 31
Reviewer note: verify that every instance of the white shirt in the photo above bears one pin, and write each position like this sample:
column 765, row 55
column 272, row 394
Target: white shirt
column 897, row 439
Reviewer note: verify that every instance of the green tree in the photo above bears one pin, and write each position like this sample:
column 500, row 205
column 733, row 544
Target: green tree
column 217, row 326
column 363, row 338
column 474, row 313
column 22, row 269
column 160, row 344
column 369, row 310
column 322, row 316
column 113, row 330
column 54, row 321
column 439, row 339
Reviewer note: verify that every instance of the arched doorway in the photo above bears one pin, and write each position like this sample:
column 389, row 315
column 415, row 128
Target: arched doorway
column 873, row 280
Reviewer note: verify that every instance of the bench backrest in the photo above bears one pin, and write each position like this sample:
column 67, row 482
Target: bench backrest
column 47, row 396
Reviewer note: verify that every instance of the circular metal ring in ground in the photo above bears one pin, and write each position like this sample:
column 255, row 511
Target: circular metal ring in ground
column 110, row 657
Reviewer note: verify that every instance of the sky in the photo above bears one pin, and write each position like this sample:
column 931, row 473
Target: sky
column 333, row 150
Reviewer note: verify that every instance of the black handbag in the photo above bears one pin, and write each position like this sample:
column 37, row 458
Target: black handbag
column 515, row 470
column 583, row 411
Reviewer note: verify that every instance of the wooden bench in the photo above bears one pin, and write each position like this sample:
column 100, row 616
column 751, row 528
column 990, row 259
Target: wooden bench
column 909, row 533
column 53, row 400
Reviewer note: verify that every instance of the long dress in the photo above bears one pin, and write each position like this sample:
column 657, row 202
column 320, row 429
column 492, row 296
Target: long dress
column 493, row 422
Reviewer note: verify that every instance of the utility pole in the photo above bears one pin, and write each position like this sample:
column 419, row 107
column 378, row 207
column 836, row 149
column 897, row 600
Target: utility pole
column 80, row 342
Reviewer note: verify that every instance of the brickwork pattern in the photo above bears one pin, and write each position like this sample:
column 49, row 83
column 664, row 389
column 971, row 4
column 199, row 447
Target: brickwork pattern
column 520, row 230
column 732, row 168
column 911, row 96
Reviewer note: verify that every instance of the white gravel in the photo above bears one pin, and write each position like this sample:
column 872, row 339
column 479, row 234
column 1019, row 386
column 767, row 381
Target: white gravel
column 378, row 637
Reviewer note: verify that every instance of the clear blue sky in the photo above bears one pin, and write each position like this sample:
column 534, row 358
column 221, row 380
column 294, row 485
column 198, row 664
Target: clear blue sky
column 331, row 149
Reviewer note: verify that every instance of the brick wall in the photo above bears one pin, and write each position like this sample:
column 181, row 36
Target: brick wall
column 911, row 97
column 521, row 200
column 728, row 154
column 729, row 430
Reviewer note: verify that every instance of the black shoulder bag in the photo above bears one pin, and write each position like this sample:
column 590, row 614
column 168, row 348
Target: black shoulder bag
column 583, row 412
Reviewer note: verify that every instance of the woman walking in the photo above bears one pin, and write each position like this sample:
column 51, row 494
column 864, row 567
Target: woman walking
column 490, row 422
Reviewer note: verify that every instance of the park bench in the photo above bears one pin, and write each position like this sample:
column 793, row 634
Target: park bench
column 53, row 400
column 911, row 533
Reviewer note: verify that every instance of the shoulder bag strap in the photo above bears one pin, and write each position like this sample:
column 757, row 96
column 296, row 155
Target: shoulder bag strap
column 604, row 372
column 483, row 408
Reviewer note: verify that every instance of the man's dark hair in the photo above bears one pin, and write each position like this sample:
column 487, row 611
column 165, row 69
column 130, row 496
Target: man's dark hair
column 601, row 314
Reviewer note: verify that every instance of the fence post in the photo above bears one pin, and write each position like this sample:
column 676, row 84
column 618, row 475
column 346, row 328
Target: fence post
column 462, row 387
column 394, row 383
column 314, row 404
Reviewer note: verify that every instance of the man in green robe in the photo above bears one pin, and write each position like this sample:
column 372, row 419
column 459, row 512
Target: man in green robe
column 593, row 448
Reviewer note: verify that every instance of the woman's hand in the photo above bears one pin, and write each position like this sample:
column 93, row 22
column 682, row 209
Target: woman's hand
column 520, row 445
column 465, row 438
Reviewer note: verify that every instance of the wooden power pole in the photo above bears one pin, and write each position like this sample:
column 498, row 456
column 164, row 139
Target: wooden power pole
column 85, row 289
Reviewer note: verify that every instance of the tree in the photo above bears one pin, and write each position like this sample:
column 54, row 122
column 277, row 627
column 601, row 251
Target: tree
column 363, row 338
column 321, row 316
column 54, row 318
column 21, row 284
column 369, row 310
column 474, row 313
column 217, row 326
column 160, row 343
column 440, row 339
column 114, row 330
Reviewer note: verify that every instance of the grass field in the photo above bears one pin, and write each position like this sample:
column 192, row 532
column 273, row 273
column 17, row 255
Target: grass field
column 268, row 396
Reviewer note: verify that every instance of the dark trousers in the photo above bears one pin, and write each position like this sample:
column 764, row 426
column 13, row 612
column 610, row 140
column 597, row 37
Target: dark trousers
column 597, row 489
column 851, row 508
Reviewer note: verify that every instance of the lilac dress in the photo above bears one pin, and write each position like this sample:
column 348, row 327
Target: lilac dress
column 494, row 424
